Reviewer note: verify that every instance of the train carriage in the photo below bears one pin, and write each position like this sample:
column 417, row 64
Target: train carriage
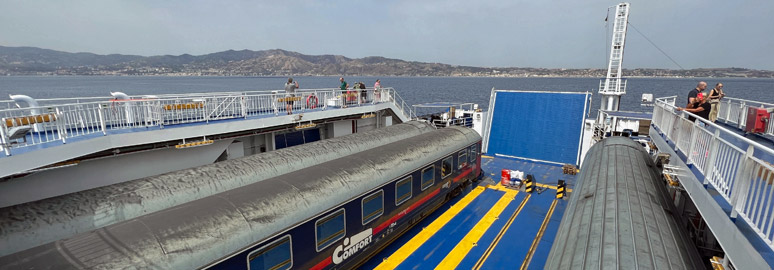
column 332, row 215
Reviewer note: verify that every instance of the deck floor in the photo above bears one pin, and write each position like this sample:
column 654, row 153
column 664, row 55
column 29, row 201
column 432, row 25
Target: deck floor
column 490, row 227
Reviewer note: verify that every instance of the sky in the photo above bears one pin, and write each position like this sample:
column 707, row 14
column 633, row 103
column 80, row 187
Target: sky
column 486, row 33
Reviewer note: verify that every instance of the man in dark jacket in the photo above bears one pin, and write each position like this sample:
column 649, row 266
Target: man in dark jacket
column 693, row 94
column 701, row 109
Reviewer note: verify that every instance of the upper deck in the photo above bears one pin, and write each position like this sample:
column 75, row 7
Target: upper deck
column 39, row 133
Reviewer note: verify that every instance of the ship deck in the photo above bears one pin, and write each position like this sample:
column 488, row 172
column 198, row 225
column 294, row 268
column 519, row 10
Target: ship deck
column 743, row 227
column 138, row 129
column 489, row 227
column 88, row 128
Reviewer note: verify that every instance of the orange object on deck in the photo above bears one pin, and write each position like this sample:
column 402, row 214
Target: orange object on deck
column 28, row 120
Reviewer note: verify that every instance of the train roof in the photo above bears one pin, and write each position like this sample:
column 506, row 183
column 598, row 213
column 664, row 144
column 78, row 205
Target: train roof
column 619, row 216
column 35, row 223
column 197, row 233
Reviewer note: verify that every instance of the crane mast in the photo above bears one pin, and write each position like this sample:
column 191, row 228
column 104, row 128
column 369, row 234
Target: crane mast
column 613, row 87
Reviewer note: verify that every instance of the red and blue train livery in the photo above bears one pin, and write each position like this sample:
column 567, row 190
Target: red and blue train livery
column 335, row 214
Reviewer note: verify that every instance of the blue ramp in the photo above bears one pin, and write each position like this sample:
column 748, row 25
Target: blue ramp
column 544, row 126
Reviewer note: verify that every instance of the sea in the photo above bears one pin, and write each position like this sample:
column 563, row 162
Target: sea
column 414, row 90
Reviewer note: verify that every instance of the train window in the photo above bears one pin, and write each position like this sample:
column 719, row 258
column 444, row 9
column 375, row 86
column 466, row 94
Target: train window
column 473, row 153
column 373, row 206
column 428, row 177
column 275, row 255
column 446, row 167
column 330, row 229
column 403, row 190
column 463, row 158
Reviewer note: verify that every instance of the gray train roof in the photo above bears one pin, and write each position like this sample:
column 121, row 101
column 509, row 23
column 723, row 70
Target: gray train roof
column 619, row 216
column 35, row 223
column 196, row 233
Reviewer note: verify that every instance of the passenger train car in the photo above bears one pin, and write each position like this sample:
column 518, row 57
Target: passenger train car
column 332, row 215
column 620, row 216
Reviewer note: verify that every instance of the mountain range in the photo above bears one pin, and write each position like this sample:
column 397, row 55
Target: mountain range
column 37, row 61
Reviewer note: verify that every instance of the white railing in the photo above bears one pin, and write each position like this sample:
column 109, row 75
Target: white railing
column 735, row 166
column 733, row 111
column 61, row 119
column 609, row 86
column 404, row 107
column 463, row 122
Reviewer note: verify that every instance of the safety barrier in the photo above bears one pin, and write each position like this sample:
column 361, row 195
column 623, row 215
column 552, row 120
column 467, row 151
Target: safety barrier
column 731, row 163
column 463, row 122
column 733, row 111
column 61, row 119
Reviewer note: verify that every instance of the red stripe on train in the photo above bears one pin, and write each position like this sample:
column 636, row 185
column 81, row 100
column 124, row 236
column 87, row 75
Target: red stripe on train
column 322, row 264
column 462, row 175
column 404, row 212
column 387, row 223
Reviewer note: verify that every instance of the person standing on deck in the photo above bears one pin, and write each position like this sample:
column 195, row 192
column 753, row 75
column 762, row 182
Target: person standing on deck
column 344, row 84
column 363, row 93
column 290, row 94
column 344, row 95
column 714, row 99
column 377, row 91
column 693, row 94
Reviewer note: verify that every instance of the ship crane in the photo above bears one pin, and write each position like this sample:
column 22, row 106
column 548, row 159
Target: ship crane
column 613, row 86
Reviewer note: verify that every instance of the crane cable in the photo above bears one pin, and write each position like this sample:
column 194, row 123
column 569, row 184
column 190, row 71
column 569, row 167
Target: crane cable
column 654, row 45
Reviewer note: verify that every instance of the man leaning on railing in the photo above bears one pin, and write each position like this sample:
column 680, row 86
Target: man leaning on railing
column 701, row 109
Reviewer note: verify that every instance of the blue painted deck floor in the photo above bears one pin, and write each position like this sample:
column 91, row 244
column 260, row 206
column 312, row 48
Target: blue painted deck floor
column 520, row 236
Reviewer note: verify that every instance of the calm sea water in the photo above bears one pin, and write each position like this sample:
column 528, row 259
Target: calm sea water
column 414, row 90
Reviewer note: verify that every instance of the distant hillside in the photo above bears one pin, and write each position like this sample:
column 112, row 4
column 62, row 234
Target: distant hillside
column 36, row 61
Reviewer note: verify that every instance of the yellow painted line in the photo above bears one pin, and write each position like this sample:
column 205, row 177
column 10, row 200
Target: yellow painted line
column 470, row 240
column 538, row 236
column 500, row 187
column 412, row 245
column 485, row 156
column 501, row 233
column 552, row 187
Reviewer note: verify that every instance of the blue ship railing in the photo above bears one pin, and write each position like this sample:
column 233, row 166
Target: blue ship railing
column 737, row 167
column 62, row 119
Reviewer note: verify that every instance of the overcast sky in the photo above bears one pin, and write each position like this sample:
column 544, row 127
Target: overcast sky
column 505, row 33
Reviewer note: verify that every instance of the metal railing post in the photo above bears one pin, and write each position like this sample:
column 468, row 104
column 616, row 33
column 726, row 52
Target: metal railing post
column 4, row 144
column 741, row 122
column 205, row 110
column 712, row 156
column 243, row 103
column 101, row 121
column 676, row 130
column 324, row 99
column 741, row 182
column 692, row 141
column 728, row 110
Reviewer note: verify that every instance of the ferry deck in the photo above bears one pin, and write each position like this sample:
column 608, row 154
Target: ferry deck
column 490, row 227
column 730, row 208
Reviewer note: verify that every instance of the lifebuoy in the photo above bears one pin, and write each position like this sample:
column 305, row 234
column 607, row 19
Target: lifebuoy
column 311, row 102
